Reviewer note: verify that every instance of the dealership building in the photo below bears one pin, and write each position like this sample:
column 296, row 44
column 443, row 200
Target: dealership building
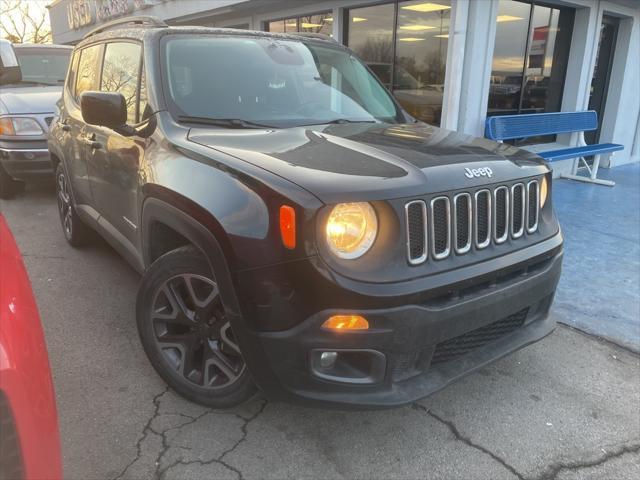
column 451, row 63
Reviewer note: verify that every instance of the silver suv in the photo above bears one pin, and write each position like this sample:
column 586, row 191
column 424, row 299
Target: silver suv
column 27, row 106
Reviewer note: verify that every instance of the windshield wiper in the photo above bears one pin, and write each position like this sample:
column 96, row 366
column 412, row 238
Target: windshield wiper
column 223, row 122
column 337, row 121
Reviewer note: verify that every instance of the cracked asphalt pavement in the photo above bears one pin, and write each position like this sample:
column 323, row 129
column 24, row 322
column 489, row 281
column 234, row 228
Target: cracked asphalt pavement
column 565, row 408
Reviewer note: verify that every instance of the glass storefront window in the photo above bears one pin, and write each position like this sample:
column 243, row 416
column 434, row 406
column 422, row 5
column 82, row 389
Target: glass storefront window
column 529, row 59
column 413, row 51
column 320, row 23
column 421, row 56
column 370, row 35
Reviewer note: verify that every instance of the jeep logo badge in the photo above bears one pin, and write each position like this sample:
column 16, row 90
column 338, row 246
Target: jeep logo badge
column 478, row 172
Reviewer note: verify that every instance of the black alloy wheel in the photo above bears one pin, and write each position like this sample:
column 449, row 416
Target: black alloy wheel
column 193, row 334
column 75, row 230
column 186, row 334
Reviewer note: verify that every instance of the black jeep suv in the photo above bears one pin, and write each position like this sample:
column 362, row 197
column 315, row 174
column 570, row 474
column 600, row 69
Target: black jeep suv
column 296, row 230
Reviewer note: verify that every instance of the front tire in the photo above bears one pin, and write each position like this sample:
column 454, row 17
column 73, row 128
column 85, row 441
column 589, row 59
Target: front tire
column 75, row 230
column 185, row 333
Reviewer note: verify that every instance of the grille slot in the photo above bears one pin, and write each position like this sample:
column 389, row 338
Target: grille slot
column 48, row 121
column 416, row 217
column 483, row 218
column 517, row 210
column 501, row 214
column 466, row 343
column 462, row 222
column 440, row 227
column 533, row 193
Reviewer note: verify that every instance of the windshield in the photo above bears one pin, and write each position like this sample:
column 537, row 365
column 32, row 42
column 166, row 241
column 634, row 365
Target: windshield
column 46, row 66
column 273, row 82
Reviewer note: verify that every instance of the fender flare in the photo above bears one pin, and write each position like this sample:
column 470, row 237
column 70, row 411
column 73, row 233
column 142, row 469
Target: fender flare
column 157, row 210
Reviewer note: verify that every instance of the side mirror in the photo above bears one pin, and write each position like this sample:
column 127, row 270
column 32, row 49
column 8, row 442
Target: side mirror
column 9, row 67
column 106, row 109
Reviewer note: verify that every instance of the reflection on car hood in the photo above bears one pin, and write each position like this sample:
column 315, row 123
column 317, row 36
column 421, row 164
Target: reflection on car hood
column 365, row 161
column 36, row 99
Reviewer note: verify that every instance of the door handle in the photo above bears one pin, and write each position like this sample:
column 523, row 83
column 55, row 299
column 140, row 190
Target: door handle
column 90, row 140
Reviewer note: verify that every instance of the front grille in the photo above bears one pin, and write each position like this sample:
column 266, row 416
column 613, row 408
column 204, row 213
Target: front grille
column 501, row 214
column 10, row 456
column 470, row 219
column 462, row 223
column 466, row 343
column 517, row 210
column 416, row 217
column 483, row 218
column 441, row 227
column 532, row 213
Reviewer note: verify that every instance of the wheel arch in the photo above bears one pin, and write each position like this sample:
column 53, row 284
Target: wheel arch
column 189, row 224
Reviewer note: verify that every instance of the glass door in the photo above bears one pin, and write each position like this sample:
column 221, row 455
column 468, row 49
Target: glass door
column 602, row 72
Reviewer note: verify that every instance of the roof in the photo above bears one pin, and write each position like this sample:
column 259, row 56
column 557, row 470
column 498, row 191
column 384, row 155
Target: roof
column 42, row 45
column 140, row 31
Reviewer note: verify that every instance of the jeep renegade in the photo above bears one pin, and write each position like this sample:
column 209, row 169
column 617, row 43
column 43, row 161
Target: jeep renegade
column 295, row 229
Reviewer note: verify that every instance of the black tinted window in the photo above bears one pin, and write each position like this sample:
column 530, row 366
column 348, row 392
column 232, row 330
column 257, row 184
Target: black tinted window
column 120, row 73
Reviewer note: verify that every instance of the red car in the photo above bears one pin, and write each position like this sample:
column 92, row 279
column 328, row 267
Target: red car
column 29, row 437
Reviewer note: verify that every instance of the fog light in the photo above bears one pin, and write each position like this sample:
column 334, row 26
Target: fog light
column 346, row 322
column 327, row 359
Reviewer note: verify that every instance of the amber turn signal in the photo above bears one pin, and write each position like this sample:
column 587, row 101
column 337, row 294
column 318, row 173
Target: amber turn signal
column 346, row 322
column 288, row 226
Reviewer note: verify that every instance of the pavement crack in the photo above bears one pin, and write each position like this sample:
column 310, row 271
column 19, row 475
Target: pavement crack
column 466, row 440
column 145, row 433
column 160, row 474
column 551, row 471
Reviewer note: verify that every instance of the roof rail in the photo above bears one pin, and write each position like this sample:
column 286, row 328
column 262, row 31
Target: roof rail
column 142, row 20
column 318, row 36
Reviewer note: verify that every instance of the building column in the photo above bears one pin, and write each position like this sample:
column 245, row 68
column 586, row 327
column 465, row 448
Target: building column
column 455, row 64
column 476, row 69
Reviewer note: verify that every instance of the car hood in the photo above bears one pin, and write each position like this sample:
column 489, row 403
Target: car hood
column 38, row 99
column 351, row 162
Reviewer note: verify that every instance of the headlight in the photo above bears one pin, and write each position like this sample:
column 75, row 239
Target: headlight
column 351, row 229
column 544, row 191
column 16, row 126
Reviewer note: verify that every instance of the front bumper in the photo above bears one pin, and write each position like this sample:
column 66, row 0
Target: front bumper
column 424, row 346
column 23, row 162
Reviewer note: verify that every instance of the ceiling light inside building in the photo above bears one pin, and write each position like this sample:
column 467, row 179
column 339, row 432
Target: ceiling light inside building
column 444, row 35
column 358, row 19
column 416, row 28
column 328, row 19
column 310, row 25
column 426, row 7
column 411, row 39
column 507, row 18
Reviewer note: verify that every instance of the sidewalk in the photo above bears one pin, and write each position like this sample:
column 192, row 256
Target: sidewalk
column 600, row 286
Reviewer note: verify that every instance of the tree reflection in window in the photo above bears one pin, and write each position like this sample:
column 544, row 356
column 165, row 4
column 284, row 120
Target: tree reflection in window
column 120, row 74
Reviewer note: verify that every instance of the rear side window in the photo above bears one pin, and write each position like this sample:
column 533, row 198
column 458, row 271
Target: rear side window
column 73, row 70
column 120, row 73
column 87, row 76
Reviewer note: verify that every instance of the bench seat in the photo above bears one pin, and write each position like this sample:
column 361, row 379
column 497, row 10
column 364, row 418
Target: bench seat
column 587, row 150
column 513, row 127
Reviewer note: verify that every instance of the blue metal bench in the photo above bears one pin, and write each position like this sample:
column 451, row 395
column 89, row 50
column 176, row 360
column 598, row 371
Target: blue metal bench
column 509, row 127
